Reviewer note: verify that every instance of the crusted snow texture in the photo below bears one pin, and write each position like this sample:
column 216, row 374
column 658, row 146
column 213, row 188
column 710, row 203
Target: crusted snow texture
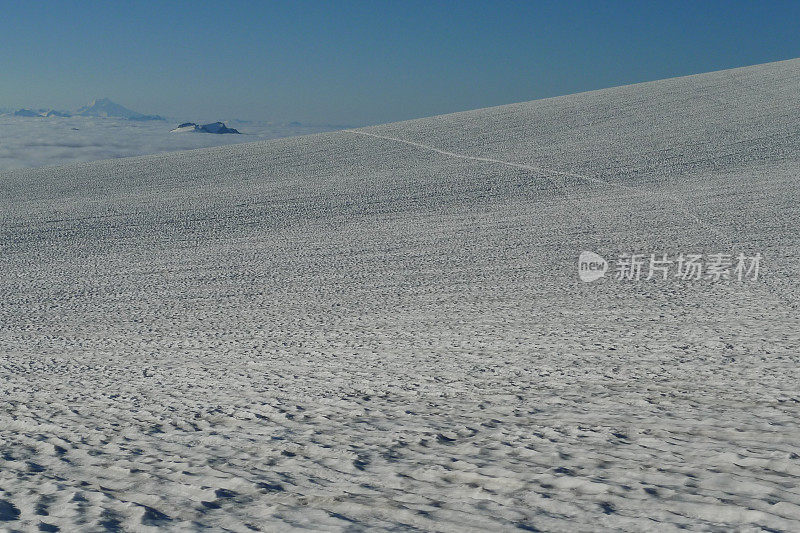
column 346, row 331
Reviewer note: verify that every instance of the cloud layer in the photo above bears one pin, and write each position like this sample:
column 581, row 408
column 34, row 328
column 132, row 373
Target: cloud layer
column 35, row 142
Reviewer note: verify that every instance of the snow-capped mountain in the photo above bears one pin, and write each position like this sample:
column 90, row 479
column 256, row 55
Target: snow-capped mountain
column 214, row 127
column 103, row 107
column 100, row 107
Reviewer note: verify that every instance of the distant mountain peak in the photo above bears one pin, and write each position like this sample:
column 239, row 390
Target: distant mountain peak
column 104, row 107
column 27, row 113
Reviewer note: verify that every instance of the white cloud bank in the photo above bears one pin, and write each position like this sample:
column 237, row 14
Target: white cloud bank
column 35, row 142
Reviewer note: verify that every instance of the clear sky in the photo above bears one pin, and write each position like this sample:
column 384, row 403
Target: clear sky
column 357, row 63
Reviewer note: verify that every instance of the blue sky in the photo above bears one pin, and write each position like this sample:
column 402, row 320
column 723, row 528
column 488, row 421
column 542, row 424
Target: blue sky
column 366, row 62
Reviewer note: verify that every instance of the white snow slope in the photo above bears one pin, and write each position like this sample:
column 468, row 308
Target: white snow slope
column 385, row 330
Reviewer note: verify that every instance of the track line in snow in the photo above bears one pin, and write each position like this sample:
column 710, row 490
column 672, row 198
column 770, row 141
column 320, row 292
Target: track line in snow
column 546, row 173
column 543, row 170
column 483, row 159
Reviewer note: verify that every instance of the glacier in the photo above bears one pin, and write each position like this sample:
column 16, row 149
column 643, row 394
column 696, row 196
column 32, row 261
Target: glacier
column 384, row 328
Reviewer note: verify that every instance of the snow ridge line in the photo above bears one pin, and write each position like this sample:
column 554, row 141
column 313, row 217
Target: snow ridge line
column 542, row 170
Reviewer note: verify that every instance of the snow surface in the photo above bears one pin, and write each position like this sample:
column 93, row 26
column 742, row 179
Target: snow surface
column 384, row 329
